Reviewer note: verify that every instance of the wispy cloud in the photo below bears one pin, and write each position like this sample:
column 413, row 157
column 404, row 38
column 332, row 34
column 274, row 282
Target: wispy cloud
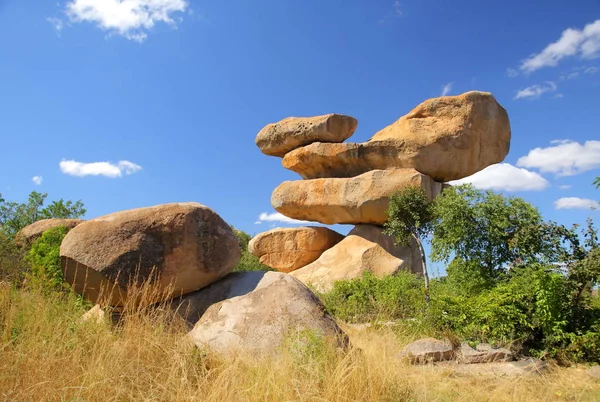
column 447, row 88
column 565, row 158
column 107, row 169
column 535, row 91
column 573, row 42
column 507, row 177
column 576, row 203
column 132, row 19
column 511, row 72
column 57, row 24
column 396, row 11
column 37, row 180
column 277, row 217
column 565, row 187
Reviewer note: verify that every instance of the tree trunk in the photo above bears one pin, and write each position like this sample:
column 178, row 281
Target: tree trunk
column 425, row 275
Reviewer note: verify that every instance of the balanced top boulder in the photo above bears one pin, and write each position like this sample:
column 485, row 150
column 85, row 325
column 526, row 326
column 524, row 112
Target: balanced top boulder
column 360, row 199
column 287, row 249
column 447, row 138
column 279, row 138
column 180, row 247
column 31, row 233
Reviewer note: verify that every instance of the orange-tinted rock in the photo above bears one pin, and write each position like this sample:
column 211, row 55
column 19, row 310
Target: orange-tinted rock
column 279, row 138
column 287, row 249
column 31, row 233
column 355, row 200
column 447, row 138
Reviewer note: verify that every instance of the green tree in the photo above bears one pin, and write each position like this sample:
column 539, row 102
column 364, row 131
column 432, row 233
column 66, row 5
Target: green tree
column 15, row 216
column 44, row 258
column 248, row 262
column 410, row 213
column 487, row 231
column 597, row 182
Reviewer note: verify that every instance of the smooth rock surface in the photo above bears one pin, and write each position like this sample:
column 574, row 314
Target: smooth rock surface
column 287, row 249
column 360, row 199
column 279, row 138
column 179, row 247
column 447, row 138
column 529, row 366
column 349, row 259
column 31, row 233
column 279, row 308
column 483, row 354
column 427, row 350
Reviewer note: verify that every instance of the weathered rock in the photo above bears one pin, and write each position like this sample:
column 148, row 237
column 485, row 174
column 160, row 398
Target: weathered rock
column 484, row 353
column 446, row 138
column 529, row 366
column 279, row 138
column 277, row 309
column 31, row 233
column 180, row 247
column 287, row 249
column 360, row 199
column 353, row 256
column 427, row 350
column 594, row 372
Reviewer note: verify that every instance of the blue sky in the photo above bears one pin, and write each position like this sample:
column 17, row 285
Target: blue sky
column 136, row 103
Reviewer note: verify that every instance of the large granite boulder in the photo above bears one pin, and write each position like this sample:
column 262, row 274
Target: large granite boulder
column 279, row 308
column 355, row 255
column 31, row 233
column 179, row 247
column 279, row 138
column 355, row 200
column 447, row 138
column 287, row 249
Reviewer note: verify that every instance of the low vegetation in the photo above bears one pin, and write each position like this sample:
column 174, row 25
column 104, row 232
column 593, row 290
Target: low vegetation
column 522, row 283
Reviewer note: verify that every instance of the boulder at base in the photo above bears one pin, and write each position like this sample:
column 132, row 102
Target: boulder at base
column 31, row 233
column 279, row 138
column 355, row 200
column 180, row 247
column 354, row 255
column 287, row 249
column 447, row 138
column 279, row 308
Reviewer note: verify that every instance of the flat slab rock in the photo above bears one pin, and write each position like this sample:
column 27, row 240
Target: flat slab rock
column 355, row 200
column 278, row 309
column 528, row 366
column 427, row 350
column 277, row 139
column 483, row 353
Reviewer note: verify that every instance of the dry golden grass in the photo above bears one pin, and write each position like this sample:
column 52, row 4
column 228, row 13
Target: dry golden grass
column 47, row 353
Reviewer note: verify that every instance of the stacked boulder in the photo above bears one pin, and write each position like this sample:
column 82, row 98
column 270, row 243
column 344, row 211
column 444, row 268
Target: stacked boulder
column 442, row 139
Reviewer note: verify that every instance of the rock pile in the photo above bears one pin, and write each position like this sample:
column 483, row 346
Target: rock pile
column 442, row 139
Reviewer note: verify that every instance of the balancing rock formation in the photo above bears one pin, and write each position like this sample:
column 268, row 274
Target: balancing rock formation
column 442, row 139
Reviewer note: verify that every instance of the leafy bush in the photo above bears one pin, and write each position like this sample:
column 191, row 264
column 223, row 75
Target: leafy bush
column 248, row 262
column 369, row 298
column 44, row 258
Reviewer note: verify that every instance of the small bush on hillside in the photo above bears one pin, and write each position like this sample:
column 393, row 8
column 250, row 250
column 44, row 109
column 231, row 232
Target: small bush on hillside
column 369, row 298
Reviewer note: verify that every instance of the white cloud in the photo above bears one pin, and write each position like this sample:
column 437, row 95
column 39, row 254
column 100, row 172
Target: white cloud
column 447, row 88
column 591, row 70
column 277, row 217
column 576, row 203
column 535, row 91
column 511, row 72
column 129, row 18
column 107, row 169
column 584, row 43
column 37, row 180
column 505, row 176
column 398, row 7
column 57, row 24
column 565, row 187
column 566, row 158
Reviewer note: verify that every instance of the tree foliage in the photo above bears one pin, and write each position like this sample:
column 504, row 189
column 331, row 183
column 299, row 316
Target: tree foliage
column 15, row 216
column 485, row 228
column 248, row 262
column 44, row 259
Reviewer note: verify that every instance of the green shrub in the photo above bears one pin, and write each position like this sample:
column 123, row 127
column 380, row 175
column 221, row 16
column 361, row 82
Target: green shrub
column 369, row 298
column 248, row 262
column 44, row 258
